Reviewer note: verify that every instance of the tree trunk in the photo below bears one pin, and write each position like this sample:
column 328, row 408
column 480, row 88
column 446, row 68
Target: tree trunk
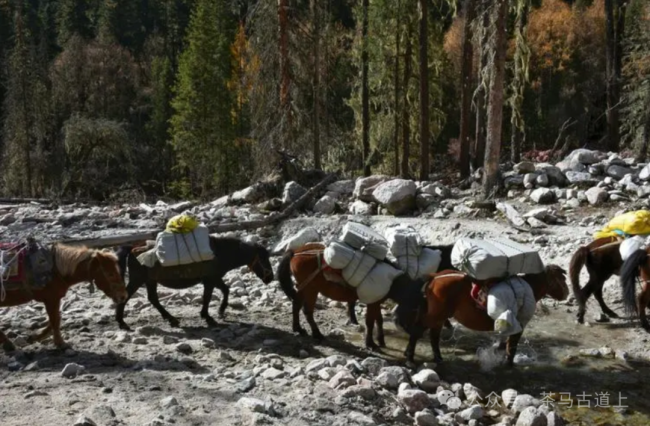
column 365, row 130
column 424, row 93
column 615, row 26
column 466, row 89
column 316, row 84
column 645, row 142
column 495, row 106
column 517, row 135
column 481, row 95
column 406, row 127
column 285, row 79
column 396, row 82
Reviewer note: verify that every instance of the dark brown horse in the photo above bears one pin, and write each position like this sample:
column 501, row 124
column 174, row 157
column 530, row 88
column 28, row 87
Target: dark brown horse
column 229, row 253
column 447, row 295
column 602, row 259
column 445, row 263
column 306, row 264
column 637, row 266
column 72, row 265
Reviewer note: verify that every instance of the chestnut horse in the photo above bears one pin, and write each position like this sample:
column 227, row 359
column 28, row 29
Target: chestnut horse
column 447, row 295
column 306, row 264
column 445, row 263
column 603, row 259
column 637, row 266
column 72, row 265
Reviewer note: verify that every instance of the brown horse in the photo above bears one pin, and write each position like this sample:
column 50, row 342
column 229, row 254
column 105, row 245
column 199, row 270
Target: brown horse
column 72, row 265
column 306, row 264
column 637, row 266
column 447, row 295
column 603, row 259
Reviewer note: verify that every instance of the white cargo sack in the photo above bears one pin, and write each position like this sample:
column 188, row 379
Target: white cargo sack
column 498, row 258
column 148, row 258
column 377, row 283
column 404, row 241
column 511, row 304
column 405, row 245
column 174, row 249
column 364, row 238
column 630, row 245
column 354, row 264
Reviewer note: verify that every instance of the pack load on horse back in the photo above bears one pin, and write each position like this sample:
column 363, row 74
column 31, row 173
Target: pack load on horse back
column 495, row 288
column 32, row 271
column 353, row 268
column 603, row 258
column 184, row 255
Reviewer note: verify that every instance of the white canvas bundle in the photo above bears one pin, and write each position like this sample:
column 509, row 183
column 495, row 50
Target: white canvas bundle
column 511, row 304
column 377, row 283
column 421, row 266
column 404, row 241
column 364, row 238
column 357, row 270
column 338, row 255
column 486, row 259
column 181, row 249
column 632, row 244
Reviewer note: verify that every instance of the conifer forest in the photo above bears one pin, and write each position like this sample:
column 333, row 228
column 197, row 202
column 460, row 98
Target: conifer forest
column 199, row 98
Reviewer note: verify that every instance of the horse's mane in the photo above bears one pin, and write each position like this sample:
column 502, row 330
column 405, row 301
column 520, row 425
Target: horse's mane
column 68, row 258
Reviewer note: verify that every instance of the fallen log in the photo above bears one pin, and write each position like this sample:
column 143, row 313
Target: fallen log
column 214, row 228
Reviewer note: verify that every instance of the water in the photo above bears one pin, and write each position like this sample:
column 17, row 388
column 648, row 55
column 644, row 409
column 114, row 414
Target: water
column 548, row 364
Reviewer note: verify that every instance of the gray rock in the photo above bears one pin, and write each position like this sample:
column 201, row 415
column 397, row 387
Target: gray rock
column 184, row 348
column 362, row 391
column 84, row 421
column 292, row 191
column 508, row 396
column 168, row 402
column 644, row 174
column 618, row 172
column 643, row 191
column 554, row 419
column 72, row 370
column 596, row 196
column 529, row 180
column 542, row 180
column 585, row 156
column 427, row 380
column 343, row 187
column 246, row 384
column 543, row 196
column 524, row 167
column 326, row 205
column 531, row 416
column 397, row 195
column 422, row 201
column 414, row 399
column 516, row 181
column 426, row 418
column 342, row 379
column 580, row 178
column 373, row 365
column 524, row 401
column 272, row 374
column 364, row 187
column 391, row 377
column 247, row 195
column 253, row 405
column 361, row 208
column 474, row 412
column 316, row 365
column 555, row 175
column 359, row 418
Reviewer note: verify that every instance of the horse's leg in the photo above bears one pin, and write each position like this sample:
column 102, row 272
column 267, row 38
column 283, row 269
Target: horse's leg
column 409, row 353
column 225, row 290
column 642, row 302
column 511, row 348
column 7, row 345
column 434, row 336
column 586, row 292
column 352, row 314
column 308, row 309
column 52, row 307
column 152, row 295
column 373, row 311
column 208, row 288
column 381, row 339
column 296, row 305
column 42, row 335
column 598, row 294
column 131, row 288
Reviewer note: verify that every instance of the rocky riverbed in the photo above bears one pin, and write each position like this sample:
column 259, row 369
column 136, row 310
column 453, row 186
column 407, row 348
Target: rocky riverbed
column 251, row 369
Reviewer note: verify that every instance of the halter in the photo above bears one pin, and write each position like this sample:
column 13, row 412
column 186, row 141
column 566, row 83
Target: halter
column 254, row 262
column 114, row 287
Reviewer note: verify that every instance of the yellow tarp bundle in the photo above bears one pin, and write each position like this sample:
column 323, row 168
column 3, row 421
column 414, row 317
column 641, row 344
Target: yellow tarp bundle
column 630, row 223
column 182, row 224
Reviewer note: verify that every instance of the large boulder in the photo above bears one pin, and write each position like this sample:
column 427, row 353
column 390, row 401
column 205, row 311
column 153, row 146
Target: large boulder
column 581, row 178
column 325, row 205
column 618, row 172
column 524, row 167
column 644, row 174
column 585, row 156
column 343, row 187
column 543, row 196
column 397, row 196
column 364, row 187
column 555, row 175
column 292, row 191
column 361, row 208
column 247, row 195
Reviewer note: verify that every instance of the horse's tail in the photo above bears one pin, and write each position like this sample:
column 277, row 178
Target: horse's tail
column 579, row 259
column 629, row 273
column 122, row 256
column 284, row 275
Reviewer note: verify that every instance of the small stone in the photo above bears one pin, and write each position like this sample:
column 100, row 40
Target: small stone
column 531, row 416
column 84, row 421
column 253, row 404
column 554, row 419
column 543, row 196
column 596, row 196
column 169, row 340
column 184, row 348
column 168, row 402
column 342, row 379
column 225, row 357
column 72, row 370
column 365, row 392
column 139, row 340
column 373, row 365
column 246, row 384
column 427, row 380
column 326, row 373
column 316, row 365
column 35, row 393
column 524, row 401
column 425, row 418
column 414, row 399
column 303, row 354
column 508, row 396
column 208, row 343
column 391, row 377
column 359, row 418
column 474, row 412
column 273, row 374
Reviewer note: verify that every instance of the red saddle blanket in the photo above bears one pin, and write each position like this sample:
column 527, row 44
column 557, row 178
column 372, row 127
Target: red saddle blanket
column 12, row 258
column 480, row 291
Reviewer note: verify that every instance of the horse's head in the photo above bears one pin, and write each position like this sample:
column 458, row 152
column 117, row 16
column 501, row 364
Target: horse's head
column 411, row 303
column 556, row 285
column 104, row 271
column 260, row 263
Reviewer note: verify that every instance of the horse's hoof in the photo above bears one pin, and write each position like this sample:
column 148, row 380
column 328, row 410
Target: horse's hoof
column 211, row 322
column 410, row 364
column 125, row 327
column 8, row 346
column 62, row 346
column 373, row 347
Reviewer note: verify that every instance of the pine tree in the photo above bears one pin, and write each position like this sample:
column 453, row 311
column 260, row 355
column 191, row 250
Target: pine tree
column 201, row 128
column 73, row 17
